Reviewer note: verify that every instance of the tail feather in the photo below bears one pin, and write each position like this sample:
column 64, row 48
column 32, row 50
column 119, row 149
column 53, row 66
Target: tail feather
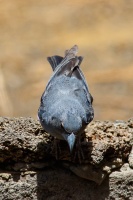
column 69, row 54
column 70, row 61
column 72, row 52
column 69, row 65
column 54, row 61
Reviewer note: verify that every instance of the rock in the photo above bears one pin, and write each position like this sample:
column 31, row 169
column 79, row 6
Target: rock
column 130, row 158
column 29, row 169
column 87, row 171
column 121, row 184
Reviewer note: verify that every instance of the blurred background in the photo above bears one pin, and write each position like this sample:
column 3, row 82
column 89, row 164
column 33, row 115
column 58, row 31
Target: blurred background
column 32, row 30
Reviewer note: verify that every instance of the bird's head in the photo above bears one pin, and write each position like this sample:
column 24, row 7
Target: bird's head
column 72, row 126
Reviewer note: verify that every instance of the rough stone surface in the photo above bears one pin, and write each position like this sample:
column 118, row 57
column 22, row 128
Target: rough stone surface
column 121, row 183
column 31, row 169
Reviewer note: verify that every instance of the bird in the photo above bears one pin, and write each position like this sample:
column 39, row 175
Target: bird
column 66, row 104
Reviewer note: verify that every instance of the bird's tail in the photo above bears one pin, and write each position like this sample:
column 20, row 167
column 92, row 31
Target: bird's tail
column 70, row 55
column 71, row 52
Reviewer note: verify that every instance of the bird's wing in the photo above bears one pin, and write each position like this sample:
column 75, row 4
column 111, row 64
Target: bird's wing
column 69, row 66
column 79, row 75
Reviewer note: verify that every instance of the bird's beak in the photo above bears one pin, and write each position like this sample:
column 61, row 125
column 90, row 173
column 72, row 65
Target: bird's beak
column 71, row 141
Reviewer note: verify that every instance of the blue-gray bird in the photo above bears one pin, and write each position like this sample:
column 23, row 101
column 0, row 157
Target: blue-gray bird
column 66, row 104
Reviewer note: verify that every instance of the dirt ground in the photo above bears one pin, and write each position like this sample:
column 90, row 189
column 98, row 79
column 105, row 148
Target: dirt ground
column 32, row 30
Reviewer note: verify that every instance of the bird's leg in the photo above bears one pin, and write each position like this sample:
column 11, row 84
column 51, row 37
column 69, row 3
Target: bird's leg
column 78, row 153
column 56, row 148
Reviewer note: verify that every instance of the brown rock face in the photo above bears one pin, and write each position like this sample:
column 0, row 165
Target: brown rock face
column 31, row 169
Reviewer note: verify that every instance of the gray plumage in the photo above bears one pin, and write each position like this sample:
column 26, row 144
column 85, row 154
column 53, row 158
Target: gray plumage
column 66, row 104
